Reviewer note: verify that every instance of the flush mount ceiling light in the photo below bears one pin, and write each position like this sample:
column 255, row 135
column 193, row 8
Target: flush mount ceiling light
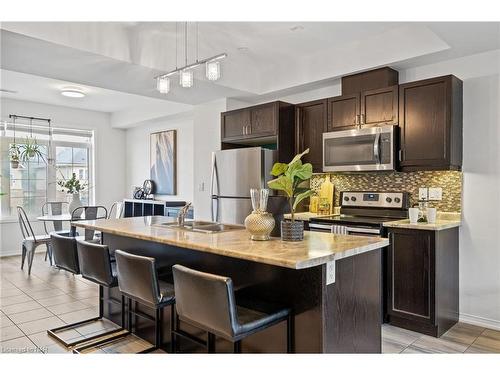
column 71, row 92
column 186, row 72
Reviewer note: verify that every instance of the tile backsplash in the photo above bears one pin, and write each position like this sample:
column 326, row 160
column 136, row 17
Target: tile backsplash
column 449, row 181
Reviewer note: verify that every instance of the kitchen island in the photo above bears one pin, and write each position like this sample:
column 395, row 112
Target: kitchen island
column 332, row 282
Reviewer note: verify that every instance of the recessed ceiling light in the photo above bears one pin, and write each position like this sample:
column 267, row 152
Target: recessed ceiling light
column 72, row 93
column 297, row 28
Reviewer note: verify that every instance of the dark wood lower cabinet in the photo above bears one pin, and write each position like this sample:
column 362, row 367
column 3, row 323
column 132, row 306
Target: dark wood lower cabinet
column 422, row 280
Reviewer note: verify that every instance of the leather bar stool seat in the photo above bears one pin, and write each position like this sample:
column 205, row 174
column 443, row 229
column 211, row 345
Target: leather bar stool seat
column 94, row 263
column 138, row 280
column 208, row 302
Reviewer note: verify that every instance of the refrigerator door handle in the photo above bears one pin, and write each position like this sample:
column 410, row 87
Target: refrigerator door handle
column 213, row 178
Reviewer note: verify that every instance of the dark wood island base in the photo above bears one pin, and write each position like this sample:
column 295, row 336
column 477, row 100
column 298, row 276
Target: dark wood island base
column 342, row 317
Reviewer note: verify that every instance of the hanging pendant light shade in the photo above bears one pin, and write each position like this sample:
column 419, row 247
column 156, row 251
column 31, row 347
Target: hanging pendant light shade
column 163, row 85
column 213, row 70
column 186, row 78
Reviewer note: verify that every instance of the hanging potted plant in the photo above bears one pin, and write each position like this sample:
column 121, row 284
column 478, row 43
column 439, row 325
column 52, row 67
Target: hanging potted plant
column 73, row 187
column 288, row 178
column 14, row 155
column 30, row 149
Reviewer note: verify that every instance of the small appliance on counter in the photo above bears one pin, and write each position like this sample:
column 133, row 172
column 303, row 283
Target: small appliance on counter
column 325, row 205
column 363, row 213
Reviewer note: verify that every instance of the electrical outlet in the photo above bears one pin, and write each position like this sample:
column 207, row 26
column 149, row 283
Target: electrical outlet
column 422, row 193
column 435, row 194
column 330, row 272
column 201, row 186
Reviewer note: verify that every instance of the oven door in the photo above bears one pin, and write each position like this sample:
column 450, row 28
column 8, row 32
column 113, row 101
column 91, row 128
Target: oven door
column 363, row 231
column 344, row 229
column 369, row 149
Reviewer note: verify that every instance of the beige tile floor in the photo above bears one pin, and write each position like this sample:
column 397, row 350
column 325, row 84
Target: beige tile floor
column 29, row 305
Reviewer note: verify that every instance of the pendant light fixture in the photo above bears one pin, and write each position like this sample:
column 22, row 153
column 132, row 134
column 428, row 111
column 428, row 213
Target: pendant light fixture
column 186, row 72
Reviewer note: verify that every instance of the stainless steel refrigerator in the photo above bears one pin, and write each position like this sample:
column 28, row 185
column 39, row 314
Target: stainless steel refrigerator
column 234, row 173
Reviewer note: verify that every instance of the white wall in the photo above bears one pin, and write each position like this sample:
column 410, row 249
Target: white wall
column 198, row 135
column 206, row 140
column 137, row 156
column 109, row 152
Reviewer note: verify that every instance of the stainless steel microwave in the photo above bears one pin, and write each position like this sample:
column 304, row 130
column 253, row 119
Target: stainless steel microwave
column 368, row 149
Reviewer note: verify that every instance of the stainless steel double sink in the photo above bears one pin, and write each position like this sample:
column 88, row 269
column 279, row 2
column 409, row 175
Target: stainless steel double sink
column 202, row 226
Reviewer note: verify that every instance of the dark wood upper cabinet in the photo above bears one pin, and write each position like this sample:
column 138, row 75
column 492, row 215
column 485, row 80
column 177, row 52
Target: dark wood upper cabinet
column 380, row 106
column 430, row 117
column 370, row 80
column 234, row 124
column 263, row 120
column 311, row 123
column 270, row 124
column 422, row 280
column 343, row 112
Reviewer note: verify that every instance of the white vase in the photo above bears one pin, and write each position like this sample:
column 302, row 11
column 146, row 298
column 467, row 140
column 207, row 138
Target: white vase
column 75, row 202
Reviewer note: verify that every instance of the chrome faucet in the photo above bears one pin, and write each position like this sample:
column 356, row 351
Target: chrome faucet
column 181, row 216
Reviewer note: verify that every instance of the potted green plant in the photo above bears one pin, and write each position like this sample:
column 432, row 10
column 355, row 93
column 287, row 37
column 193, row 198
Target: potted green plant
column 288, row 179
column 14, row 155
column 30, row 149
column 73, row 187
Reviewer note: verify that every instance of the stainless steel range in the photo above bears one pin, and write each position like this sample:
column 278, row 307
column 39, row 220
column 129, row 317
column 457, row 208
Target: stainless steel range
column 363, row 213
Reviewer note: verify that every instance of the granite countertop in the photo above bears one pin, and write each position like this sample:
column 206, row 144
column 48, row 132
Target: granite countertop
column 316, row 249
column 440, row 224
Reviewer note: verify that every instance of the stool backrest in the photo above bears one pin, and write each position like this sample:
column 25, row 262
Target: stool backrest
column 95, row 262
column 137, row 277
column 65, row 252
column 54, row 208
column 116, row 210
column 24, row 224
column 89, row 213
column 205, row 299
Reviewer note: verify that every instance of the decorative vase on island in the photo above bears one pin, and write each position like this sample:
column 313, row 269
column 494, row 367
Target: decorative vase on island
column 75, row 203
column 259, row 223
column 292, row 230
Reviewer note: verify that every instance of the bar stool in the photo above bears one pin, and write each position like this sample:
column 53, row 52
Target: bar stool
column 95, row 265
column 138, row 280
column 208, row 302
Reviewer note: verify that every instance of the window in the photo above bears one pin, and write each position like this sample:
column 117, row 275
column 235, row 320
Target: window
column 35, row 181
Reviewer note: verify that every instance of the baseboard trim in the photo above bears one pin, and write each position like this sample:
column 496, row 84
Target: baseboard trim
column 479, row 321
column 17, row 253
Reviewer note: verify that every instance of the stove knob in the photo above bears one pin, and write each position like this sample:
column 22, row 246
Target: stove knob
column 388, row 199
column 397, row 200
column 346, row 199
column 353, row 199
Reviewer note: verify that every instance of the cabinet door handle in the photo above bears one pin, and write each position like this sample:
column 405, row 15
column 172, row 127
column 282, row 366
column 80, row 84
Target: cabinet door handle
column 400, row 153
column 362, row 118
column 356, row 121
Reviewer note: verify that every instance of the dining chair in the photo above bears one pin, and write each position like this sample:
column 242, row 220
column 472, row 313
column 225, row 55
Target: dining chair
column 116, row 210
column 55, row 208
column 88, row 213
column 30, row 241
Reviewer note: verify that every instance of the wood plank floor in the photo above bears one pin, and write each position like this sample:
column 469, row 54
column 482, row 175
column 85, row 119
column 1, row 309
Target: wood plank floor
column 29, row 305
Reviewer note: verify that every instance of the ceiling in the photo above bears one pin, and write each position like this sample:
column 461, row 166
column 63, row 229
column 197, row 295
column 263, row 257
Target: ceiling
column 122, row 58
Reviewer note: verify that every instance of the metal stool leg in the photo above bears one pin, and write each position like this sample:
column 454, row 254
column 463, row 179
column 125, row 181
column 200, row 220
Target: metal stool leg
column 237, row 347
column 173, row 344
column 210, row 342
column 290, row 347
column 53, row 332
